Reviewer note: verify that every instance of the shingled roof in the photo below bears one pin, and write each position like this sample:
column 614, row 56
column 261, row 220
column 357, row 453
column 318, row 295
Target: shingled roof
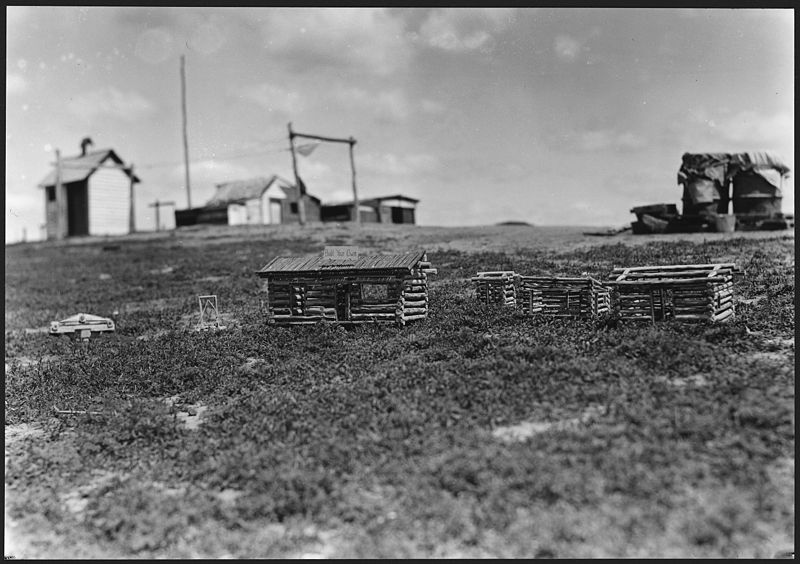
column 76, row 169
column 289, row 265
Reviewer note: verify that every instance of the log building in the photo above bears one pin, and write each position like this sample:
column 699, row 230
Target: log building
column 367, row 289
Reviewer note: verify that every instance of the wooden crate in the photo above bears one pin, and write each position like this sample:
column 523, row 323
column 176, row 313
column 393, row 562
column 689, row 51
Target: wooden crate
column 565, row 296
column 689, row 292
column 497, row 287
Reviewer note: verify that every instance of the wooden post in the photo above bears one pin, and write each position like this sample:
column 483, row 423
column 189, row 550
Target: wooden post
column 355, row 192
column 301, row 203
column 351, row 141
column 131, row 214
column 185, row 136
column 158, row 205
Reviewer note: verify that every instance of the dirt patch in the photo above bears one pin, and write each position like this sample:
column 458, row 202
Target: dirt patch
column 25, row 362
column 697, row 381
column 16, row 433
column 528, row 429
column 158, row 304
column 191, row 415
column 774, row 357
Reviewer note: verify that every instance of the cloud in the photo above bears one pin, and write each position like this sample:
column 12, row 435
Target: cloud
column 599, row 140
column 754, row 127
column 15, row 84
column 385, row 105
column 365, row 39
column 398, row 165
column 110, row 102
column 155, row 45
column 464, row 29
column 699, row 130
column 274, row 98
column 567, row 48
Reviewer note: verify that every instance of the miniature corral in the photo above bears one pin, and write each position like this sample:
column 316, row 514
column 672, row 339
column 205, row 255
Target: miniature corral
column 702, row 292
column 342, row 287
column 497, row 287
column 564, row 296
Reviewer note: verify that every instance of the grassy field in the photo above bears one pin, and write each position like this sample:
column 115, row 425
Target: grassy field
column 476, row 433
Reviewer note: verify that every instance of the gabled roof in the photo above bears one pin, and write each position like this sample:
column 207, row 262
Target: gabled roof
column 75, row 169
column 290, row 265
column 239, row 191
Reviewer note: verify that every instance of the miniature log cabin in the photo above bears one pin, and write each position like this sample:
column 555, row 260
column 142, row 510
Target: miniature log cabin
column 566, row 297
column 363, row 289
column 497, row 287
column 684, row 292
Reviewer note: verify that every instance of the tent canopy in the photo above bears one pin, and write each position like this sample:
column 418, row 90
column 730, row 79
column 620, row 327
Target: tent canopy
column 721, row 167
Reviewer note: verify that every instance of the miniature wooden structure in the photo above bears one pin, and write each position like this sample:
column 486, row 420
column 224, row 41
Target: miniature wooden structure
column 209, row 313
column 497, row 287
column 565, row 297
column 684, row 292
column 342, row 287
column 82, row 326
column 530, row 296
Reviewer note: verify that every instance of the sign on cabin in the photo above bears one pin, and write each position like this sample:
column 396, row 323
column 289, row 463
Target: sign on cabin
column 340, row 254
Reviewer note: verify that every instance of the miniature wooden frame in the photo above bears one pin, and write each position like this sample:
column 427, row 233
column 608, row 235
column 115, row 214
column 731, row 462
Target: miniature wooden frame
column 702, row 292
column 209, row 312
column 565, row 296
column 497, row 287
column 359, row 289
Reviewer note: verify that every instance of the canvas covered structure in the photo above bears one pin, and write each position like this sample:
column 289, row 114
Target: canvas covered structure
column 375, row 288
column 564, row 296
column 701, row 292
column 756, row 177
column 497, row 287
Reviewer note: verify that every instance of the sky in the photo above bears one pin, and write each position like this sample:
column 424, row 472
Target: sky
column 551, row 116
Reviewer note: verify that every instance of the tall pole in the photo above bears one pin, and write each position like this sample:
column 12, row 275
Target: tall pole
column 355, row 192
column 301, row 204
column 185, row 137
column 131, row 213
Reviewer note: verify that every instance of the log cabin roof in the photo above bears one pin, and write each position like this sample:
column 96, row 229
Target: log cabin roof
column 75, row 169
column 288, row 265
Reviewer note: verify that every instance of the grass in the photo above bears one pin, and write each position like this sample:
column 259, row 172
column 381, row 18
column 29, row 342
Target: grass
column 378, row 441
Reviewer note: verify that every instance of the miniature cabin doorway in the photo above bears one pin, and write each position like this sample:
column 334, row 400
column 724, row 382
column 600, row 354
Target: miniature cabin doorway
column 344, row 297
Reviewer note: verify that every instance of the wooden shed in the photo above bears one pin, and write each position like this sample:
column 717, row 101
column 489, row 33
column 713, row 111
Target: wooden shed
column 335, row 287
column 89, row 194
column 565, row 296
column 497, row 287
column 683, row 292
column 396, row 209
